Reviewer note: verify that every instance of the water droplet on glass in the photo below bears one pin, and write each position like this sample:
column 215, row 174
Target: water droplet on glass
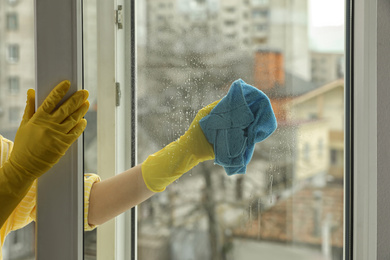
column 271, row 179
column 250, row 218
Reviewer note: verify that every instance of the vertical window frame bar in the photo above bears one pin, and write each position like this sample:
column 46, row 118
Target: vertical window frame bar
column 123, row 250
column 364, row 228
column 133, row 124
column 382, row 134
column 348, row 132
column 58, row 50
column 106, row 118
column 115, row 239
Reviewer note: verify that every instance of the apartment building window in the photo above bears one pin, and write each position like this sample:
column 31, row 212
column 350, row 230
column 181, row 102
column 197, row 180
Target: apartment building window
column 260, row 13
column 260, row 2
column 230, row 23
column 260, row 27
column 13, row 53
column 13, row 85
column 313, row 116
column 12, row 22
column 306, row 152
column 335, row 156
column 320, row 147
column 231, row 36
column 14, row 114
column 13, row 2
column 261, row 40
column 340, row 67
column 230, row 9
column 160, row 17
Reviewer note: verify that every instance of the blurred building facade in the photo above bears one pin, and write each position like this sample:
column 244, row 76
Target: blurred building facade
column 16, row 61
column 325, row 103
column 244, row 26
column 290, row 173
column 327, row 67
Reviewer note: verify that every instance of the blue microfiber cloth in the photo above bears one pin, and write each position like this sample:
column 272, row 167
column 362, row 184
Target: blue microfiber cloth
column 241, row 119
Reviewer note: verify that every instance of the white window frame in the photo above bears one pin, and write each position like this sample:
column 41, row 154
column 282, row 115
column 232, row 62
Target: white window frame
column 383, row 127
column 60, row 191
column 367, row 213
column 116, row 238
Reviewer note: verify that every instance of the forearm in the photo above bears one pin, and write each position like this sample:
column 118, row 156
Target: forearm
column 14, row 186
column 117, row 194
column 111, row 197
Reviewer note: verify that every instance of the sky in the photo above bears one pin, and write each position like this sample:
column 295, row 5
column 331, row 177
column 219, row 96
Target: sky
column 326, row 13
column 326, row 30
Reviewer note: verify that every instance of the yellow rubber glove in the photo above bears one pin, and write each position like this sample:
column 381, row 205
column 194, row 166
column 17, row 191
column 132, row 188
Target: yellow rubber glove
column 167, row 165
column 42, row 138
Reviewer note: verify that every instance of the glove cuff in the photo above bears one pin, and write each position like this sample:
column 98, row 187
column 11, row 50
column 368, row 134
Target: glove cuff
column 31, row 174
column 165, row 166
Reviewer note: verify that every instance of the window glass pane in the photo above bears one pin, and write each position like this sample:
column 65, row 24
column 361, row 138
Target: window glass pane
column 289, row 205
column 17, row 75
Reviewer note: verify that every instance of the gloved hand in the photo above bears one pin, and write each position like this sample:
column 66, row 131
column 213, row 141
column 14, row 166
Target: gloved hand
column 167, row 165
column 42, row 138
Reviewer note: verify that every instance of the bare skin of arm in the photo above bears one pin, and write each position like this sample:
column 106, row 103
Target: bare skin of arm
column 126, row 190
column 119, row 193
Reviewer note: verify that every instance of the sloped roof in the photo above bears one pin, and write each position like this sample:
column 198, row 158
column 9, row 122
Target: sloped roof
column 318, row 91
column 294, row 86
column 300, row 218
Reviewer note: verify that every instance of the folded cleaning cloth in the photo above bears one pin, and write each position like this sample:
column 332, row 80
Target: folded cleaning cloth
column 241, row 119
